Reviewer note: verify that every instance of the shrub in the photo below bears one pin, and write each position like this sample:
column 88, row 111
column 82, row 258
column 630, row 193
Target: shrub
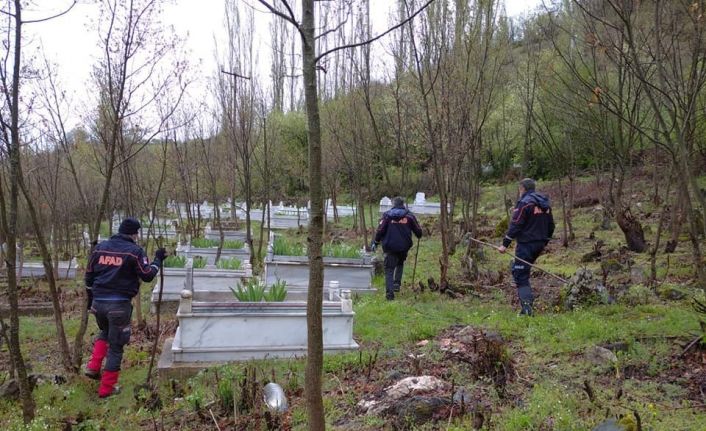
column 199, row 262
column 638, row 294
column 229, row 263
column 502, row 227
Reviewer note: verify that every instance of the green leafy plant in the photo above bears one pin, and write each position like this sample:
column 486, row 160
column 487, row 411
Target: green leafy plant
column 229, row 263
column 278, row 291
column 195, row 400
column 225, row 393
column 341, row 250
column 254, row 290
column 175, row 262
column 199, row 262
column 251, row 290
column 284, row 247
column 210, row 243
column 203, row 243
column 233, row 243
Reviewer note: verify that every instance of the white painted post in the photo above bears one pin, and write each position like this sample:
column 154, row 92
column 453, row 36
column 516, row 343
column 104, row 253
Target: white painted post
column 346, row 301
column 333, row 290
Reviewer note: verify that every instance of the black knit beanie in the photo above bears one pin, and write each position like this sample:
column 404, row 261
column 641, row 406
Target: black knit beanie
column 398, row 202
column 129, row 226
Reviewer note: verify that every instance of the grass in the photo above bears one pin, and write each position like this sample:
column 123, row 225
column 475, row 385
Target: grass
column 175, row 262
column 180, row 262
column 289, row 247
column 232, row 263
column 550, row 340
column 254, row 290
column 548, row 352
column 341, row 250
column 210, row 243
column 199, row 262
column 285, row 247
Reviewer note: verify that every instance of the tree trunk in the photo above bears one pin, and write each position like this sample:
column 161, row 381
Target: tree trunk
column 632, row 229
column 10, row 227
column 51, row 280
column 315, row 351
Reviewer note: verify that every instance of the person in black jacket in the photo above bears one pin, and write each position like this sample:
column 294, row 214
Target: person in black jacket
column 532, row 226
column 113, row 276
column 395, row 232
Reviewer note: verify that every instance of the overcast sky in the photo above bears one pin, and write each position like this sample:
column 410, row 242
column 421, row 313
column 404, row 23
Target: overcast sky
column 71, row 41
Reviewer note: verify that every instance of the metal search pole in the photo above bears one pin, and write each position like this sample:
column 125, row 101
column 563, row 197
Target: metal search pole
column 521, row 260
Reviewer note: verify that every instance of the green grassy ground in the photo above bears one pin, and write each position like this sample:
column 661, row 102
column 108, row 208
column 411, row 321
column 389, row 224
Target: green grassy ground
column 545, row 392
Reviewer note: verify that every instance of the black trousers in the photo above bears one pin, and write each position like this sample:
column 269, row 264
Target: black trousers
column 113, row 318
column 528, row 251
column 394, row 265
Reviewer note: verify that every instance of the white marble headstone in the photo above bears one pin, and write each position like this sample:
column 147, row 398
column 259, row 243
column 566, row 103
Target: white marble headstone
column 420, row 198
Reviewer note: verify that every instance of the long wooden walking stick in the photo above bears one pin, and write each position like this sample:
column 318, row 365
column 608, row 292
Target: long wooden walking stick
column 416, row 255
column 563, row 280
column 158, row 307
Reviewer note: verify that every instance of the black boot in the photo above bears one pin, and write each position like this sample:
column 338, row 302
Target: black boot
column 526, row 308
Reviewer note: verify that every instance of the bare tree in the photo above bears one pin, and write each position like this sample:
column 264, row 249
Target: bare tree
column 455, row 97
column 10, row 77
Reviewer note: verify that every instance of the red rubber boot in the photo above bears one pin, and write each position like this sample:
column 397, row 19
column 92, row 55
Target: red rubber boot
column 108, row 381
column 93, row 368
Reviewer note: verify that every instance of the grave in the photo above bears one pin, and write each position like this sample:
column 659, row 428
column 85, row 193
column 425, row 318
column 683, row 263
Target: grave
column 354, row 274
column 218, row 331
column 67, row 270
column 210, row 283
column 342, row 210
column 420, row 206
column 209, row 253
column 228, row 235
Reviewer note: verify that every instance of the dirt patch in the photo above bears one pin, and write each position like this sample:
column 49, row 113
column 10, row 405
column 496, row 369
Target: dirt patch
column 689, row 371
column 422, row 386
column 546, row 291
column 485, row 352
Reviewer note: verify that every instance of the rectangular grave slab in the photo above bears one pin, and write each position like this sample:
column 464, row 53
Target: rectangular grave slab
column 353, row 274
column 224, row 331
column 242, row 254
column 216, row 282
column 228, row 235
column 67, row 270
column 235, row 331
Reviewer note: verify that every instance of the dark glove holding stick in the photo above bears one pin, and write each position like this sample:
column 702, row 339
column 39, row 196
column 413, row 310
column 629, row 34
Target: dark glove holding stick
column 373, row 246
column 159, row 256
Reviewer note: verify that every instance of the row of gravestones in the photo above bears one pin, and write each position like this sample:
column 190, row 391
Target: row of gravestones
column 419, row 206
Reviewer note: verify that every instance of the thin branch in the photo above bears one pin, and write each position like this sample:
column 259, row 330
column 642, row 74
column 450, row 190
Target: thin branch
column 369, row 41
column 285, row 17
column 237, row 75
column 333, row 30
column 289, row 10
column 34, row 21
